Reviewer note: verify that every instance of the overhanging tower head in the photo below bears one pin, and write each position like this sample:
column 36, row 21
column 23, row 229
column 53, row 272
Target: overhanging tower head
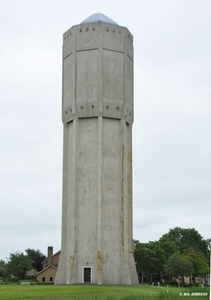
column 101, row 72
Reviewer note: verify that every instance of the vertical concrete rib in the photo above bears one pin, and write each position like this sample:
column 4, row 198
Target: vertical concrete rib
column 73, row 256
column 99, row 204
column 100, row 163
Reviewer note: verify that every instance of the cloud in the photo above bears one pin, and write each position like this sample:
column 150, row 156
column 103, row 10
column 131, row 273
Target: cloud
column 171, row 132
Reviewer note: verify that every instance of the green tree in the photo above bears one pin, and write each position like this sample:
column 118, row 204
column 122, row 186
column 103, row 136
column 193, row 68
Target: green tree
column 168, row 247
column 17, row 264
column 145, row 260
column 199, row 262
column 160, row 257
column 2, row 267
column 186, row 239
column 36, row 258
column 178, row 266
column 153, row 256
column 149, row 259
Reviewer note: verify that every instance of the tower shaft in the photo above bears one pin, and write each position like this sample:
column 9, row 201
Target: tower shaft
column 97, row 113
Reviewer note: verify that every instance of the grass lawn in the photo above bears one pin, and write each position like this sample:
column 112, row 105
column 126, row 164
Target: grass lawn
column 96, row 292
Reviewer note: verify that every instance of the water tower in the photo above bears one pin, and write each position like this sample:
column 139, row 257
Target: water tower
column 97, row 113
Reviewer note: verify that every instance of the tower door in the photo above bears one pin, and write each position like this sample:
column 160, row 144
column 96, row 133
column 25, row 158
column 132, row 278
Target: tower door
column 87, row 275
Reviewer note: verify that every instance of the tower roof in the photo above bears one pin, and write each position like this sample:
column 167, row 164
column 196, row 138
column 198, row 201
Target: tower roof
column 98, row 17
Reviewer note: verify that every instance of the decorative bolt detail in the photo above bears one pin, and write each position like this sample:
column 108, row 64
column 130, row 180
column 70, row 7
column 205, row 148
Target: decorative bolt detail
column 93, row 106
column 117, row 108
column 93, row 28
column 107, row 106
column 71, row 109
column 81, row 107
column 66, row 112
column 80, row 30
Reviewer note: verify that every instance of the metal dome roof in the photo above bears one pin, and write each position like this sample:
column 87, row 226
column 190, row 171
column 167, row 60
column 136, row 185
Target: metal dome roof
column 98, row 17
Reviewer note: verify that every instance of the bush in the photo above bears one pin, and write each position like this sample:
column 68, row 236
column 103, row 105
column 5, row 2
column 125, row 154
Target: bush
column 172, row 283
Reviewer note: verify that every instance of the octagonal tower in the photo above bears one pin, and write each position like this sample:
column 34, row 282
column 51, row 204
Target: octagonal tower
column 97, row 113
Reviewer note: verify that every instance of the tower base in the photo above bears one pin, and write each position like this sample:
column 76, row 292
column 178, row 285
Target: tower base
column 112, row 270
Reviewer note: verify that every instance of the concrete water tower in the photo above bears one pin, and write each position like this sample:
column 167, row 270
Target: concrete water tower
column 97, row 113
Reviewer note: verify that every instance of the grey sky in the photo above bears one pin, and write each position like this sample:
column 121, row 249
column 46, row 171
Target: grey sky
column 171, row 132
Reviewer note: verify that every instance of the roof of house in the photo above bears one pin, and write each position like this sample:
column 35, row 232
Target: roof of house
column 58, row 252
column 50, row 266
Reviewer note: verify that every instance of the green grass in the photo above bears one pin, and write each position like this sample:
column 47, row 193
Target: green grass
column 94, row 292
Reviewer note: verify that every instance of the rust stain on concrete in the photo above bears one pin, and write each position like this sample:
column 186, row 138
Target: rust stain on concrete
column 130, row 174
column 99, row 266
column 71, row 263
column 109, row 188
column 122, row 198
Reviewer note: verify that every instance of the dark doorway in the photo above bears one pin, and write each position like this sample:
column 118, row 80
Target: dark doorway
column 87, row 275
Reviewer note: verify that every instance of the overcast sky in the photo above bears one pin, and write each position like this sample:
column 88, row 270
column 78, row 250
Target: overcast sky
column 171, row 132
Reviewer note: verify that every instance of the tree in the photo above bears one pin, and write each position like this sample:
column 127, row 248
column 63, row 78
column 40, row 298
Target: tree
column 168, row 247
column 18, row 264
column 36, row 258
column 149, row 259
column 160, row 256
column 2, row 267
column 145, row 259
column 178, row 266
column 153, row 256
column 186, row 239
column 199, row 262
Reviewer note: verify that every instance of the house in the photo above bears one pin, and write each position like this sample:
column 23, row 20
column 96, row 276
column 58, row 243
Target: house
column 50, row 265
